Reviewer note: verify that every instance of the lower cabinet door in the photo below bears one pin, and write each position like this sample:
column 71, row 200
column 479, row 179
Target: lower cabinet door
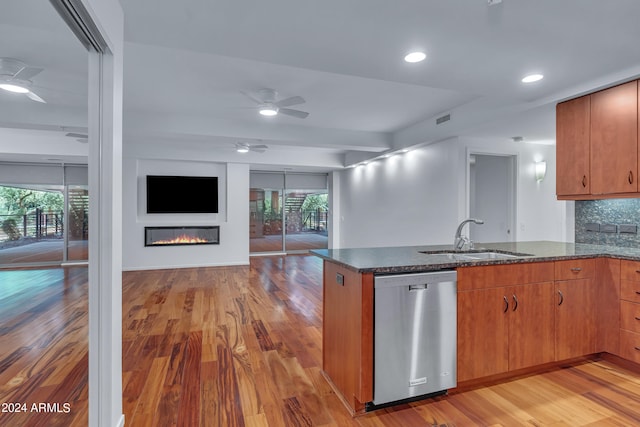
column 531, row 327
column 575, row 318
column 483, row 341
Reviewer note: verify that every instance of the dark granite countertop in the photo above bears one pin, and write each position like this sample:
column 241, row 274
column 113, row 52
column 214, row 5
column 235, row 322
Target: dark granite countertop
column 406, row 259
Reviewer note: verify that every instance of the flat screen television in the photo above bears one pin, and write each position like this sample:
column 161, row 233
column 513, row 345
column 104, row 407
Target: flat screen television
column 182, row 194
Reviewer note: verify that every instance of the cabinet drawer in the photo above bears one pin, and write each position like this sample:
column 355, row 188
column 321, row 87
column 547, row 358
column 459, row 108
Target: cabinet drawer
column 629, row 270
column 493, row 276
column 630, row 291
column 575, row 269
column 630, row 345
column 630, row 316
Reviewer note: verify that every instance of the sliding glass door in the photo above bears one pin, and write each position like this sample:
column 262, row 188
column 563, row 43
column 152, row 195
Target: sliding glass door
column 284, row 219
column 77, row 244
column 43, row 223
column 265, row 220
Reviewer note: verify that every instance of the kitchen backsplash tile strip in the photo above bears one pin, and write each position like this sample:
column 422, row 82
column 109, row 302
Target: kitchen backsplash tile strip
column 612, row 211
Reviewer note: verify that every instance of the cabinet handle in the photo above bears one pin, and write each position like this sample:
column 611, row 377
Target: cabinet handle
column 637, row 348
column 637, row 271
column 576, row 269
column 506, row 304
column 630, row 177
column 637, row 292
column 515, row 299
column 637, row 318
column 584, row 181
column 561, row 297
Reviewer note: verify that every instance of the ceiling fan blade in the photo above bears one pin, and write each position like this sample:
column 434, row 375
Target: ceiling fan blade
column 258, row 148
column 76, row 135
column 35, row 97
column 251, row 97
column 295, row 113
column 26, row 73
column 294, row 100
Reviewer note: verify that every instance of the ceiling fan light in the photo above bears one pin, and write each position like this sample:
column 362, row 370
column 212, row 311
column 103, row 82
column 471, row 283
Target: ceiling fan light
column 268, row 110
column 415, row 57
column 10, row 87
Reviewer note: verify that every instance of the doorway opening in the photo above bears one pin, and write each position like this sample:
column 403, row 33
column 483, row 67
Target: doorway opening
column 492, row 189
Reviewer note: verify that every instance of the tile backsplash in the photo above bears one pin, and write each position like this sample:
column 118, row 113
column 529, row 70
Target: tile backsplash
column 608, row 222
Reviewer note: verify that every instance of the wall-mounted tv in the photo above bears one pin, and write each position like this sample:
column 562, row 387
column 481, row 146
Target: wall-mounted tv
column 182, row 194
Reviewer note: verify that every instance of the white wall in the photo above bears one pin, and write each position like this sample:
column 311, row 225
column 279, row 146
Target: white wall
column 539, row 216
column 419, row 198
column 233, row 216
column 408, row 199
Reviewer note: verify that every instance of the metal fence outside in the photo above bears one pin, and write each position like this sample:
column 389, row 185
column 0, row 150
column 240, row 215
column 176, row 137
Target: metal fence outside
column 34, row 225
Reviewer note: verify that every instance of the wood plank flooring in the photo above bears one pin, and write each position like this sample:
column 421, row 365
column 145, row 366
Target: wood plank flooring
column 302, row 241
column 43, row 347
column 241, row 346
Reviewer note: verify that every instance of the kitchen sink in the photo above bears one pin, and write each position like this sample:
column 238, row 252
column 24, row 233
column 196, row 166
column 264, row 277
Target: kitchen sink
column 475, row 255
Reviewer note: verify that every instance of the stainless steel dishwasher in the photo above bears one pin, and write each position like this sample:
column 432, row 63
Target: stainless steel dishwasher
column 414, row 336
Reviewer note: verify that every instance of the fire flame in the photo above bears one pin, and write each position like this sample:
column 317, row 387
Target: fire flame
column 182, row 239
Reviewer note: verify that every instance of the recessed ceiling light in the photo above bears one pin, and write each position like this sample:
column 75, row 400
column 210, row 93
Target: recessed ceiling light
column 532, row 78
column 415, row 57
column 242, row 148
column 13, row 88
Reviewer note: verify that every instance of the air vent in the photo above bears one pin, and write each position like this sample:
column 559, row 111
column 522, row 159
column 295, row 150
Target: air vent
column 443, row 119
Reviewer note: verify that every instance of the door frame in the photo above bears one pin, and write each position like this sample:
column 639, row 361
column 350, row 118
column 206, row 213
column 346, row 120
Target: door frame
column 512, row 185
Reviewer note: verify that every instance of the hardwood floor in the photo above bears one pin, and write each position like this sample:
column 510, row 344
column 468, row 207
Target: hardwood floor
column 43, row 347
column 240, row 346
column 303, row 241
column 44, row 251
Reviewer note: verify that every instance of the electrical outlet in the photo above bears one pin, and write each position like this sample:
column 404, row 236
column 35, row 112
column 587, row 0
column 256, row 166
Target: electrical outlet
column 628, row 228
column 592, row 226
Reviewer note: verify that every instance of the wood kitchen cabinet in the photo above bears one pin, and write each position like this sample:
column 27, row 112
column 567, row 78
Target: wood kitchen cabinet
column 614, row 140
column 347, row 338
column 630, row 310
column 483, row 342
column 573, row 119
column 575, row 314
column 505, row 318
column 597, row 145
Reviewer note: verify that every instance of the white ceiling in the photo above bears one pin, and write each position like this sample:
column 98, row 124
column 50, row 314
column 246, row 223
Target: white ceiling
column 188, row 62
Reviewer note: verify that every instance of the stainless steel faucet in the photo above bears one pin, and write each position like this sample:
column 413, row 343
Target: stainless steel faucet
column 459, row 241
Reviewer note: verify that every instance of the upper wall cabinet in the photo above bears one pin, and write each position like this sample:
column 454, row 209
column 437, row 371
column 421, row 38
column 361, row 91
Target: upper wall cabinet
column 614, row 140
column 597, row 145
column 572, row 147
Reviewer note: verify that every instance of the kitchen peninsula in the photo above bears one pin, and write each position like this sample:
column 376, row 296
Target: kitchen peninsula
column 517, row 309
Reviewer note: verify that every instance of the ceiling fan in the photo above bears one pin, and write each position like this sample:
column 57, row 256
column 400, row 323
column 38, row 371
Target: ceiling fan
column 269, row 106
column 243, row 147
column 15, row 77
column 80, row 137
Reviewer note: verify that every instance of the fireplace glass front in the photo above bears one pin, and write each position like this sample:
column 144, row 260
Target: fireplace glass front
column 177, row 236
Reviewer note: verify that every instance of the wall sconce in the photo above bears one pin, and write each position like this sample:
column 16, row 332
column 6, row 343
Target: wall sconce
column 541, row 170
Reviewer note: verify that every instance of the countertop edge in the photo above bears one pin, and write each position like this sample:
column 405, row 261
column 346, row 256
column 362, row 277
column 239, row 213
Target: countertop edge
column 458, row 264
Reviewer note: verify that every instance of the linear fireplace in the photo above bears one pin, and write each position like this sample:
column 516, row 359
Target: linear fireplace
column 178, row 236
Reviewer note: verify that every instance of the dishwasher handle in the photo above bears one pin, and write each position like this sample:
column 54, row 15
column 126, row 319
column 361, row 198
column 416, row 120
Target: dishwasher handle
column 422, row 287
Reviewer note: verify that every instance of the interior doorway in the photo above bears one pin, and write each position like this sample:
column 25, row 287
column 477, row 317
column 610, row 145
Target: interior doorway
column 492, row 196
